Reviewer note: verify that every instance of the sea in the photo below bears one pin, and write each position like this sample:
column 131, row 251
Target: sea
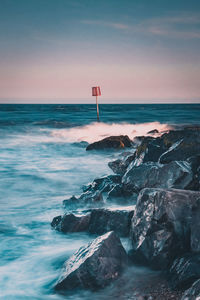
column 43, row 160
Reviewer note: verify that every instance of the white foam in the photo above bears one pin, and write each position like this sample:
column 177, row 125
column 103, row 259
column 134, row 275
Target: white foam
column 96, row 131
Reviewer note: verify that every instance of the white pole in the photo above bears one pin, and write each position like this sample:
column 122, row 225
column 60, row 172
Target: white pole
column 97, row 109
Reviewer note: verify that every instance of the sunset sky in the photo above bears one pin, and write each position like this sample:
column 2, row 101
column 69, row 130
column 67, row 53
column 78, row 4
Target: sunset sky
column 136, row 50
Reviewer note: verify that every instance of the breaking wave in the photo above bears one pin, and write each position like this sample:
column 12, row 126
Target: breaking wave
column 96, row 131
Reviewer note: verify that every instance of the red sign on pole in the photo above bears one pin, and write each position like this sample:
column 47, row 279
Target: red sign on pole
column 96, row 91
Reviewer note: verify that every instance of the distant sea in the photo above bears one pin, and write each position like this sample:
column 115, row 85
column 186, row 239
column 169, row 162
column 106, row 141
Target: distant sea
column 42, row 162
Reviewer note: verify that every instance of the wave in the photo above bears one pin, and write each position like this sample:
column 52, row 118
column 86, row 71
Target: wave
column 96, row 131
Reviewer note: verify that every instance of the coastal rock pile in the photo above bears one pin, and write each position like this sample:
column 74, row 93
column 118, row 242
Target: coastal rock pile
column 161, row 175
column 95, row 265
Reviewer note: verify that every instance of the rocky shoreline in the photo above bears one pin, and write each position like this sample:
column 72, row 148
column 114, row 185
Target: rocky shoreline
column 157, row 184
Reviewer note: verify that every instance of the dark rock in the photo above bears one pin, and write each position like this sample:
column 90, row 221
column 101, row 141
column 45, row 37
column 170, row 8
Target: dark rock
column 87, row 199
column 104, row 220
column 176, row 174
column 154, row 131
column 71, row 223
column 94, row 266
column 120, row 166
column 150, row 149
column 183, row 148
column 185, row 271
column 113, row 142
column 120, row 195
column 97, row 221
column 194, row 162
column 164, row 226
column 193, row 293
column 103, row 184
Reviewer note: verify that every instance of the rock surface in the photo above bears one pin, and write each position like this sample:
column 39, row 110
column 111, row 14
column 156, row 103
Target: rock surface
column 193, row 293
column 120, row 166
column 71, row 223
column 112, row 142
column 185, row 271
column 176, row 174
column 164, row 226
column 94, row 266
column 98, row 221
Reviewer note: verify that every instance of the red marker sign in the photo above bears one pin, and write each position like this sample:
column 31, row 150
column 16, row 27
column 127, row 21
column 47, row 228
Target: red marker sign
column 96, row 92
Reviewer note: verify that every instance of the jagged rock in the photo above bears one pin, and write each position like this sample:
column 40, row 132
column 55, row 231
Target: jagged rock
column 194, row 162
column 185, row 271
column 103, row 220
column 120, row 166
column 176, row 174
column 113, row 142
column 154, row 131
column 87, row 199
column 94, row 266
column 164, row 226
column 71, row 223
column 186, row 146
column 97, row 221
column 120, row 195
column 193, row 293
column 103, row 184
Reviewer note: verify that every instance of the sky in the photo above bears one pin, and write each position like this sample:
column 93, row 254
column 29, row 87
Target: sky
column 136, row 50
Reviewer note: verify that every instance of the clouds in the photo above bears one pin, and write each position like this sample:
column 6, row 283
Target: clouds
column 182, row 26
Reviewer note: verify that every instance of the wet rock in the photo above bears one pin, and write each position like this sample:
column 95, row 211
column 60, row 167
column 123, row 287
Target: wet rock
column 103, row 184
column 154, row 131
column 185, row 271
column 87, row 199
column 103, row 220
column 193, row 293
column 183, row 148
column 94, row 266
column 176, row 174
column 97, row 221
column 112, row 142
column 71, row 223
column 194, row 162
column 164, row 226
column 120, row 195
column 120, row 166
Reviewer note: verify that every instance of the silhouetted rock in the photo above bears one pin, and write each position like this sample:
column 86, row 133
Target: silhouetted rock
column 185, row 271
column 177, row 174
column 112, row 142
column 71, row 223
column 94, row 266
column 154, row 131
column 165, row 225
column 193, row 293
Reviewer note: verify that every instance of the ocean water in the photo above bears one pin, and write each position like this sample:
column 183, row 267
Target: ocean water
column 42, row 162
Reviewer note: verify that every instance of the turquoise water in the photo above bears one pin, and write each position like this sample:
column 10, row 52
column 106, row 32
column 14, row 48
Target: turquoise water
column 43, row 161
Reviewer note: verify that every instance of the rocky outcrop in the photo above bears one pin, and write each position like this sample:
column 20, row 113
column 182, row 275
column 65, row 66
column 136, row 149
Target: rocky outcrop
column 103, row 220
column 185, row 271
column 98, row 221
column 120, row 166
column 193, row 293
column 71, row 223
column 188, row 144
column 111, row 142
column 164, row 226
column 177, row 174
column 87, row 199
column 94, row 266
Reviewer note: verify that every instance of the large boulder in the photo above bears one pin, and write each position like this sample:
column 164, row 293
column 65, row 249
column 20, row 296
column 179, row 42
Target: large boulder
column 103, row 220
column 193, row 293
column 176, row 174
column 71, row 223
column 186, row 146
column 164, row 226
column 97, row 221
column 185, row 271
column 95, row 265
column 111, row 142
